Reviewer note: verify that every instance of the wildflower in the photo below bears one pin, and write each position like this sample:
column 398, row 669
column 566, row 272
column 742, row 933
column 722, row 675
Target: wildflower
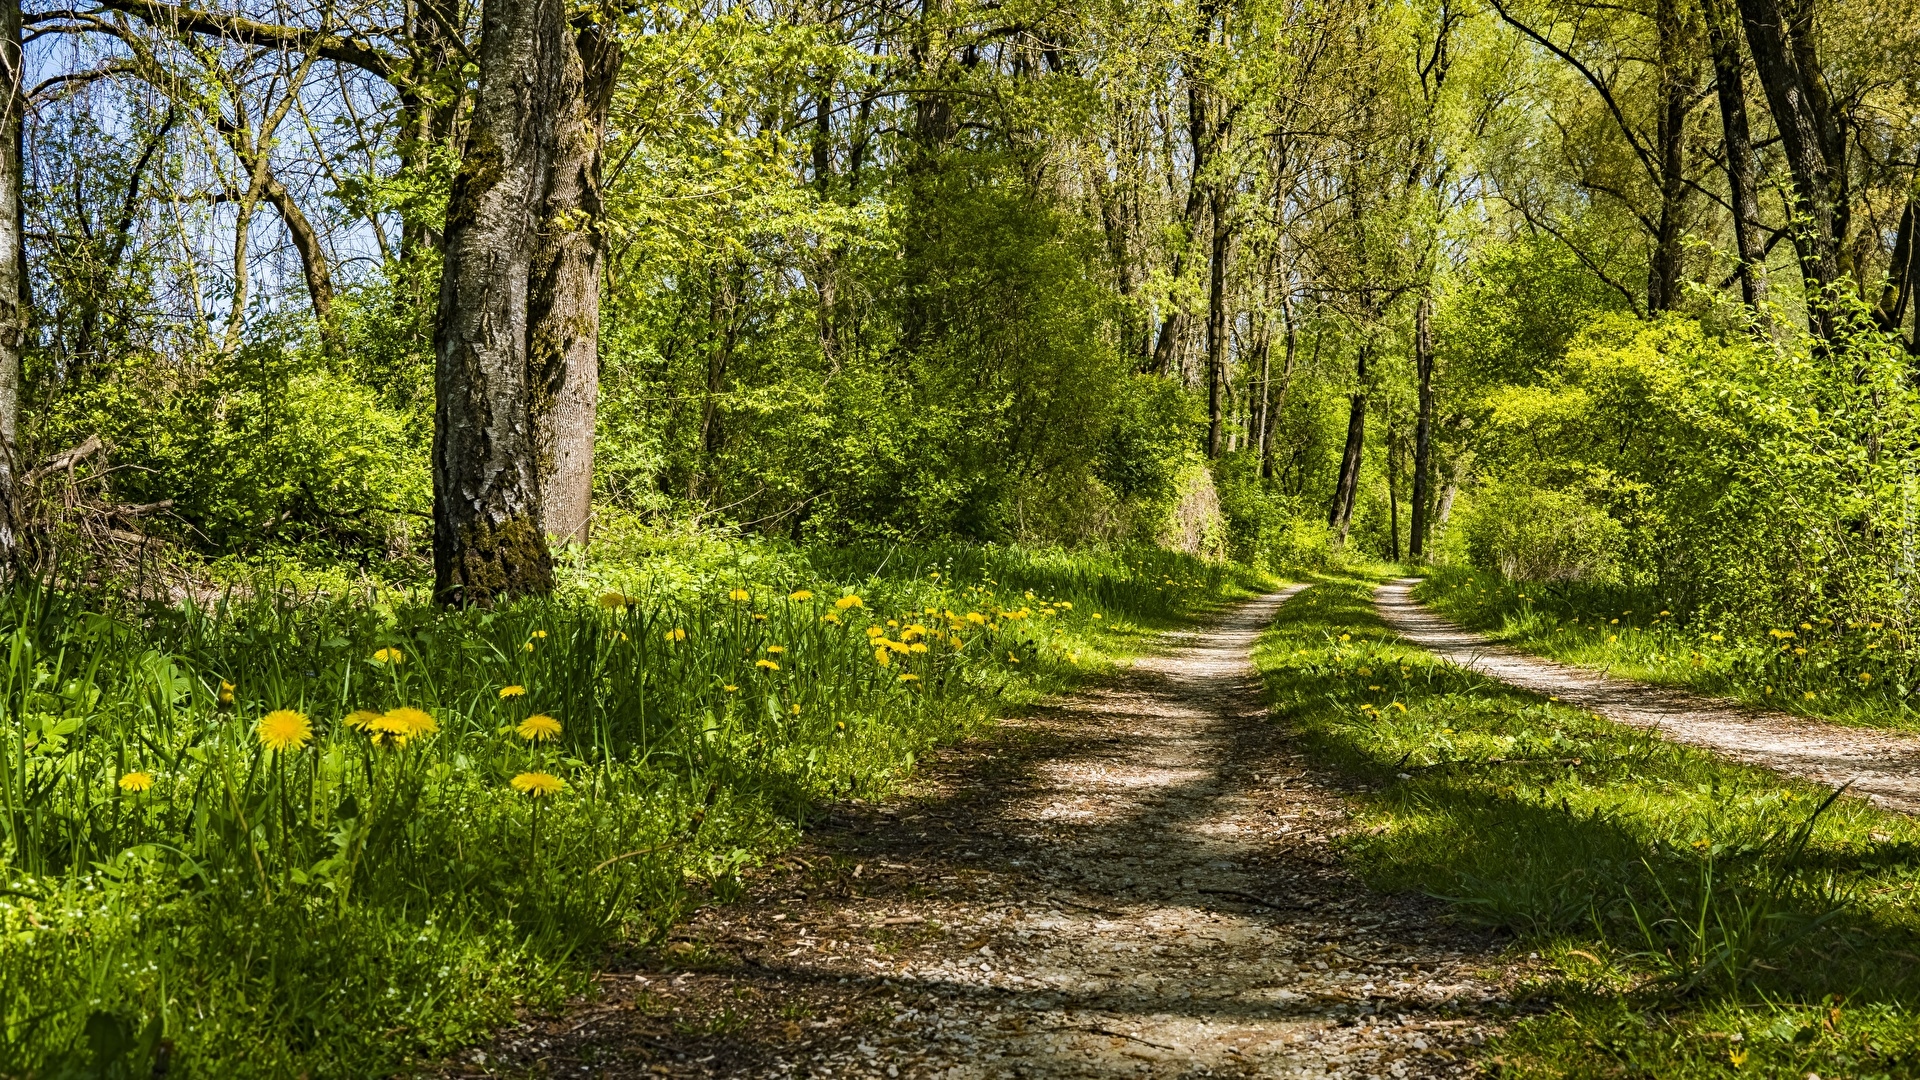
column 796, row 708
column 136, row 782
column 830, row 617
column 1866, row 676
column 284, row 729
column 918, row 646
column 537, row 784
column 1611, row 638
column 512, row 692
column 538, row 634
column 758, row 617
column 529, row 646
column 1873, row 626
column 1399, row 706
column 767, row 664
column 676, row 634
column 874, row 632
column 1346, row 637
column 538, row 728
column 1373, row 688
column 909, row 678
column 1613, row 622
column 739, row 596
column 405, row 723
column 388, row 656
column 1012, row 659
column 1096, row 614
column 848, row 601
column 1781, row 635
column 226, row 692
column 1806, row 626
column 882, row 657
column 1073, row 658
column 800, row 594
column 361, row 719
column 1718, row 637
column 1066, row 606
column 728, row 687
column 1366, row 671
column 776, row 650
column 1808, row 695
column 612, row 600
column 955, row 641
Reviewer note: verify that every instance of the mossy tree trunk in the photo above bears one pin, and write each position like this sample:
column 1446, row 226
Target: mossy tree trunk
column 489, row 541
column 13, row 275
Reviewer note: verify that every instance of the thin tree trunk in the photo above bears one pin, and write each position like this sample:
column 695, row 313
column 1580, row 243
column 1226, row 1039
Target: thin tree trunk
column 1676, row 91
column 314, row 264
column 1216, row 319
column 1730, row 72
column 1797, row 99
column 1422, row 429
column 1286, row 382
column 488, row 539
column 1393, row 485
column 1346, row 489
column 564, row 303
column 13, row 276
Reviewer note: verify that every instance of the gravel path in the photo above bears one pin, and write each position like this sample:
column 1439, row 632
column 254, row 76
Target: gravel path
column 1137, row 881
column 1882, row 767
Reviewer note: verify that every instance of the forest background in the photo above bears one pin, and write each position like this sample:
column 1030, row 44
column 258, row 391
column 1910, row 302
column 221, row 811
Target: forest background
column 979, row 321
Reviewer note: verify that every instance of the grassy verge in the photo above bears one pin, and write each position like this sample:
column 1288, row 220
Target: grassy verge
column 335, row 834
column 1694, row 918
column 1855, row 671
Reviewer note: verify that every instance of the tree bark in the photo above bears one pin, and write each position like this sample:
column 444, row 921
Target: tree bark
column 1346, row 489
column 314, row 264
column 13, row 276
column 564, row 305
column 1796, row 96
column 1422, row 429
column 1216, row 318
column 1891, row 312
column 488, row 538
column 1730, row 73
column 1676, row 93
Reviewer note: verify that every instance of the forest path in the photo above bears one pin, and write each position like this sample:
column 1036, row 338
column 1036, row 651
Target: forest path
column 1136, row 881
column 1882, row 767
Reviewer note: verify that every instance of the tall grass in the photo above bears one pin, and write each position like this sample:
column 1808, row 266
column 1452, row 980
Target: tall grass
column 288, row 832
column 1688, row 917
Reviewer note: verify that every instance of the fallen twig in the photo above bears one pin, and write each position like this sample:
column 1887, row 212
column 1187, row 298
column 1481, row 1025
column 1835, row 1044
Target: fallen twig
column 1252, row 899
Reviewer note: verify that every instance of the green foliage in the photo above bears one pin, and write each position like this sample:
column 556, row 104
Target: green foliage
column 1537, row 535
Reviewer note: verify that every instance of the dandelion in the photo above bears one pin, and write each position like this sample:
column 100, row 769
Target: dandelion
column 1718, row 637
column 361, row 719
column 830, row 617
column 1073, row 658
column 728, row 687
column 800, row 594
column 1012, row 659
column 226, row 692
column 538, row 634
column 956, row 641
column 613, row 600
column 918, row 646
column 739, row 596
column 538, row 728
column 909, row 678
column 976, row 618
column 388, row 655
column 1346, row 637
column 676, row 634
column 136, row 782
column 537, row 784
column 796, row 708
column 882, row 657
column 758, row 617
column 403, row 724
column 848, row 601
column 874, row 632
column 1808, row 695
column 776, row 650
column 768, row 665
column 1806, row 626
column 1096, row 615
column 284, row 729
column 512, row 692
column 1066, row 606
column 529, row 646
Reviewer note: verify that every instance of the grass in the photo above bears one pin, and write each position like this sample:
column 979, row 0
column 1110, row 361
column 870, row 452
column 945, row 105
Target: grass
column 1854, row 671
column 1693, row 918
column 177, row 895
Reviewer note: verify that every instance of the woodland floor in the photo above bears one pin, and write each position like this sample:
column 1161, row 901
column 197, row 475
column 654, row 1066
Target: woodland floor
column 1139, row 880
column 1881, row 767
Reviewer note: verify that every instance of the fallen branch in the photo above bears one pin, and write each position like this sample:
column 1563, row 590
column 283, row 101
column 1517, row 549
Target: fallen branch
column 1252, row 899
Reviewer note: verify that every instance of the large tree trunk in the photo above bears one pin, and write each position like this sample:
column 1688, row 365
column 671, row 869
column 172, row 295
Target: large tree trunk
column 13, row 276
column 1216, row 319
column 1347, row 488
column 1676, row 94
column 488, row 539
column 1796, row 96
column 1891, row 312
column 1729, row 70
column 563, row 309
column 1422, row 429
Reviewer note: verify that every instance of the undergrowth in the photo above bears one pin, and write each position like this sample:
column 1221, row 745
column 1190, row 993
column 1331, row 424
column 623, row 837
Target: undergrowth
column 1694, row 918
column 299, row 832
column 1853, row 670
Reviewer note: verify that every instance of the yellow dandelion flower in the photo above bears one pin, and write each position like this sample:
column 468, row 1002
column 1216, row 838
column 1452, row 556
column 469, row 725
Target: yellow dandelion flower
column 955, row 641
column 758, row 617
column 767, row 664
column 388, row 656
column 848, row 601
column 918, row 646
column 676, row 634
column 830, row 617
column 538, row 784
column 284, row 729
column 728, row 687
column 512, row 692
column 407, row 722
column 226, row 692
column 776, row 650
column 796, row 708
column 1012, row 659
column 882, row 657
column 613, row 600
column 1096, row 615
column 976, row 618
column 538, row 728
column 800, row 594
column 529, row 646
column 739, row 596
column 361, row 719
column 909, row 677
column 136, row 782
column 1073, row 658
column 1346, row 637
